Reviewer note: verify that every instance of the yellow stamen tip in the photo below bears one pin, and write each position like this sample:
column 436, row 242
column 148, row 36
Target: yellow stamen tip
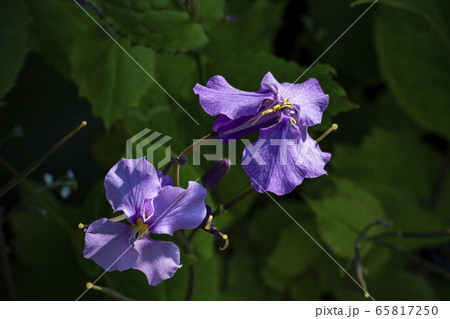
column 81, row 226
column 225, row 237
column 366, row 295
column 333, row 127
column 267, row 111
column 89, row 285
column 227, row 243
column 293, row 121
column 84, row 123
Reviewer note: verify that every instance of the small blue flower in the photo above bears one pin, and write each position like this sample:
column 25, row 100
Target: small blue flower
column 48, row 179
column 65, row 192
column 70, row 174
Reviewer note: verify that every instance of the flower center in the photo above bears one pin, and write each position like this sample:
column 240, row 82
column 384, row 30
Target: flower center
column 281, row 107
column 140, row 229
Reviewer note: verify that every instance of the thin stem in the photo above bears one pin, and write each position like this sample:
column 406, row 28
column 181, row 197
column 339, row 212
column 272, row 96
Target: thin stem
column 249, row 190
column 416, row 259
column 400, row 234
column 358, row 259
column 191, row 283
column 6, row 265
column 8, row 166
column 110, row 292
column 189, row 248
column 27, row 171
column 187, row 151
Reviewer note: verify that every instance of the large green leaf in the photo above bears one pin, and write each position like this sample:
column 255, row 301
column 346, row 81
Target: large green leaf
column 162, row 25
column 402, row 173
column 343, row 216
column 107, row 77
column 253, row 26
column 14, row 20
column 415, row 61
column 55, row 26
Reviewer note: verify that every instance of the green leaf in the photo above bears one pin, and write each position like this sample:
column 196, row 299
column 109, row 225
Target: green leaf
column 210, row 11
column 107, row 77
column 415, row 61
column 163, row 25
column 258, row 25
column 344, row 215
column 14, row 20
column 55, row 26
column 402, row 172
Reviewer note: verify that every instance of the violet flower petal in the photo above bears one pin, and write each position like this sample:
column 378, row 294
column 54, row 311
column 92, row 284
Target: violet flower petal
column 129, row 184
column 108, row 244
column 176, row 208
column 219, row 97
column 158, row 260
column 308, row 99
column 284, row 159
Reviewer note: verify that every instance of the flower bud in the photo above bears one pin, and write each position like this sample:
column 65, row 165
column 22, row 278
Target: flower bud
column 215, row 173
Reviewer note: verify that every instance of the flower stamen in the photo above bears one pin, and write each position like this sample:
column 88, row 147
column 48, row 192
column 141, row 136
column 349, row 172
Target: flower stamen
column 140, row 228
column 227, row 241
column 279, row 107
column 209, row 222
column 333, row 127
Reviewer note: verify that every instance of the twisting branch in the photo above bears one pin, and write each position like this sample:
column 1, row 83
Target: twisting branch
column 187, row 151
column 358, row 260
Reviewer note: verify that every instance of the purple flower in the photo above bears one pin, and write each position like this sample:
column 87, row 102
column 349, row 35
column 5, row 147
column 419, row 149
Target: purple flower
column 151, row 205
column 216, row 173
column 284, row 154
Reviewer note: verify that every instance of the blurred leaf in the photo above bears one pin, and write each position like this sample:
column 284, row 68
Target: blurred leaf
column 210, row 11
column 55, row 26
column 274, row 280
column 415, row 63
column 294, row 252
column 323, row 22
column 255, row 29
column 429, row 10
column 342, row 217
column 394, row 282
column 162, row 25
column 401, row 172
column 306, row 288
column 391, row 160
column 110, row 80
column 14, row 20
